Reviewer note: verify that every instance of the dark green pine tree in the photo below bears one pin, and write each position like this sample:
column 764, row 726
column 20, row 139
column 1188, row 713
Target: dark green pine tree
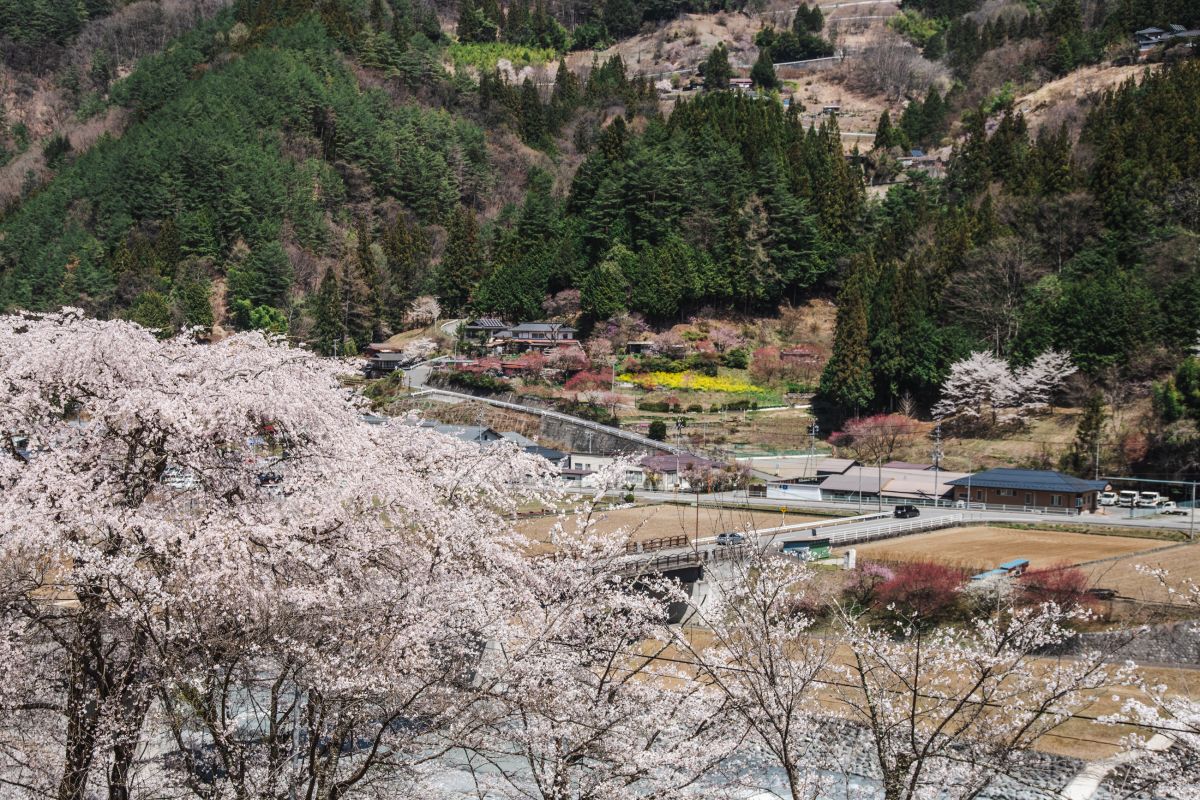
column 1083, row 459
column 329, row 327
column 763, row 72
column 516, row 22
column 621, row 18
column 808, row 20
column 478, row 22
column 886, row 136
column 564, row 99
column 463, row 263
column 837, row 186
column 1053, row 162
column 933, row 113
column 606, row 289
column 404, row 251
column 717, row 71
column 532, row 116
column 847, row 382
column 361, row 291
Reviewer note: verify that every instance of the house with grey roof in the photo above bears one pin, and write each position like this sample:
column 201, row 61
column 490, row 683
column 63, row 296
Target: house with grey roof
column 1149, row 38
column 890, row 484
column 479, row 434
column 529, row 336
column 1034, row 489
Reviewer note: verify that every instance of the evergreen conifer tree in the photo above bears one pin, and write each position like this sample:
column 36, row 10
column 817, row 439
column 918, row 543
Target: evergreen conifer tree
column 532, row 115
column 885, row 135
column 763, row 73
column 1084, row 456
column 847, row 381
column 717, row 71
column 621, row 18
column 606, row 288
column 463, row 263
column 329, row 328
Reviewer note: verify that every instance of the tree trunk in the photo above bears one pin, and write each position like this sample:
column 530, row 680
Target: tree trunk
column 134, row 702
column 83, row 710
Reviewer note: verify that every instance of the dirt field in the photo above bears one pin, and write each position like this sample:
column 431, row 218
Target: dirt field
column 1183, row 563
column 651, row 522
column 985, row 547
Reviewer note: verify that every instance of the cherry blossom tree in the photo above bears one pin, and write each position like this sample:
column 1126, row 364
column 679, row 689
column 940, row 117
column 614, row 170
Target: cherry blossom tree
column 921, row 712
column 977, row 389
column 422, row 348
column 569, row 359
column 564, row 304
column 1163, row 757
column 982, row 386
column 946, row 711
column 580, row 703
column 600, row 350
column 766, row 660
column 1042, row 379
column 208, row 541
column 425, row 310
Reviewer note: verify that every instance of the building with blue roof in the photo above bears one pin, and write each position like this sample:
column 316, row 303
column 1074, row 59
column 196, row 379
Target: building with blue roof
column 1035, row 489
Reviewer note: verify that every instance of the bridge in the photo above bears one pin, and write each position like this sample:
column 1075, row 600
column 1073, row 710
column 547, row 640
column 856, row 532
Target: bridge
column 684, row 558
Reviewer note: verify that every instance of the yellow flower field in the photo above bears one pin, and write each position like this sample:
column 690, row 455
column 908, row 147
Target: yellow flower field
column 688, row 382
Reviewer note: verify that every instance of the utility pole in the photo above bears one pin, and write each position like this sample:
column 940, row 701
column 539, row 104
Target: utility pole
column 937, row 462
column 879, row 481
column 813, row 430
column 1192, row 516
column 1096, row 459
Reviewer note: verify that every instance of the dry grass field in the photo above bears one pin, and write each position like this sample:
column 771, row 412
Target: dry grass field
column 984, row 547
column 1182, row 562
column 655, row 521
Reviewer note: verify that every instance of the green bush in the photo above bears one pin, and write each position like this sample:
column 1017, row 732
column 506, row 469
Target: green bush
column 658, row 430
column 589, row 411
column 660, row 406
column 703, row 364
column 477, row 381
column 737, row 358
column 660, row 364
column 56, row 150
column 483, row 56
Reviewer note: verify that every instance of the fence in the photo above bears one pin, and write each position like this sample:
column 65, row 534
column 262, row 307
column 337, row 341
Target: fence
column 660, row 543
column 852, row 498
column 677, row 561
column 895, row 529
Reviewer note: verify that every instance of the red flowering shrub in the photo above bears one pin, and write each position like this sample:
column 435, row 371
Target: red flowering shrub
column 923, row 591
column 1061, row 583
column 588, row 379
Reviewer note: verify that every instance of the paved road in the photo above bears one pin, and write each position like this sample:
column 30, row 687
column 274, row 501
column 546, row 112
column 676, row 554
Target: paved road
column 971, row 516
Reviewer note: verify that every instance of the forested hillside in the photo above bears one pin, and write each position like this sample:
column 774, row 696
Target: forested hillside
column 312, row 168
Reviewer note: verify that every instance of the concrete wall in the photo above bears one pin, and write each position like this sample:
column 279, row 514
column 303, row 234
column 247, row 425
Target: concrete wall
column 579, row 439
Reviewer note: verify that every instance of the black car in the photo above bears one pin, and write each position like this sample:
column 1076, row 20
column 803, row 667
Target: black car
column 905, row 512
